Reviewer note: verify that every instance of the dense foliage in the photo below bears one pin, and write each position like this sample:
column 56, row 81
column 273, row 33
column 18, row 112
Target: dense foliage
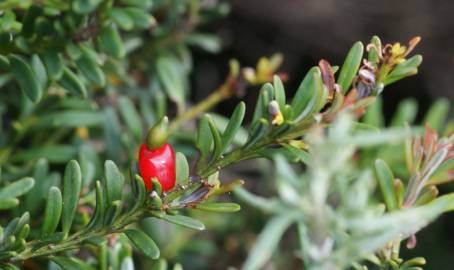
column 83, row 81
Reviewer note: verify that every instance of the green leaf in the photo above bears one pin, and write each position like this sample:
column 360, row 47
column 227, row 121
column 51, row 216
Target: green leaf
column 406, row 113
column 182, row 169
column 130, row 117
column 374, row 114
column 407, row 68
column 70, row 119
column 184, row 221
column 267, row 242
column 140, row 17
column 317, row 95
column 171, row 76
column 140, row 193
column 90, row 69
column 386, row 182
column 216, row 138
column 39, row 70
column 219, row 207
column 208, row 42
column 258, row 131
column 121, row 17
column 114, row 182
column 85, row 6
column 72, row 184
column 437, row 114
column 234, row 124
column 17, row 188
column 8, row 203
column 54, row 63
column 373, row 54
column 304, row 93
column 351, row 66
column 143, row 243
column 27, row 79
column 98, row 216
column 110, row 42
column 204, row 138
column 53, row 153
column 70, row 82
column 279, row 91
column 68, row 263
column 52, row 213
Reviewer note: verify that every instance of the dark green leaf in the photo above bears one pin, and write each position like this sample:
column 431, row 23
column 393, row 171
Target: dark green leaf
column 437, row 114
column 68, row 263
column 70, row 119
column 122, row 18
column 70, row 82
column 216, row 138
column 53, row 153
column 72, row 184
column 141, row 18
column 90, row 69
column 110, row 42
column 279, row 92
column 27, row 79
column 304, row 93
column 204, row 138
column 407, row 68
column 143, row 243
column 54, row 63
column 85, row 6
column 350, row 66
column 114, row 182
column 171, row 76
column 39, row 70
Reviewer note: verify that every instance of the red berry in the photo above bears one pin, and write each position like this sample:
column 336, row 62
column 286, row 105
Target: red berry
column 159, row 163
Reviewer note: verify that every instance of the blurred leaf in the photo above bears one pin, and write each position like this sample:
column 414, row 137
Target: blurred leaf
column 17, row 188
column 70, row 119
column 171, row 76
column 52, row 213
column 72, row 184
column 130, row 117
column 437, row 114
column 267, row 241
column 8, row 203
column 68, row 263
column 27, row 79
column 85, row 6
column 373, row 54
column 386, row 182
column 350, row 66
column 90, row 69
column 70, row 82
column 143, row 243
column 122, row 18
column 407, row 68
column 140, row 17
column 406, row 113
column 208, row 42
column 39, row 70
column 54, row 63
column 110, row 42
column 53, row 153
column 234, row 124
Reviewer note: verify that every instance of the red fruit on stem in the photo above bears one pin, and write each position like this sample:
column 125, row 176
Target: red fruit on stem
column 159, row 163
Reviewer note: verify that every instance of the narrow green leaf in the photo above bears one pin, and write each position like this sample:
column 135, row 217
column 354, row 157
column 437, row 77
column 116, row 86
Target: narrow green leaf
column 373, row 54
column 130, row 117
column 304, row 93
column 53, row 153
column 437, row 114
column 143, row 243
column 54, row 63
column 72, row 184
column 25, row 76
column 182, row 169
column 407, row 68
column 351, row 66
column 140, row 193
column 208, row 42
column 184, row 221
column 69, row 118
column 385, row 180
column 110, row 42
column 374, row 114
column 70, row 82
column 279, row 91
column 204, row 138
column 219, row 207
column 113, row 182
column 17, row 188
column 316, row 96
column 216, row 138
column 85, row 6
column 258, row 131
column 171, row 76
column 8, row 203
column 98, row 216
column 52, row 213
column 234, row 124
column 267, row 242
